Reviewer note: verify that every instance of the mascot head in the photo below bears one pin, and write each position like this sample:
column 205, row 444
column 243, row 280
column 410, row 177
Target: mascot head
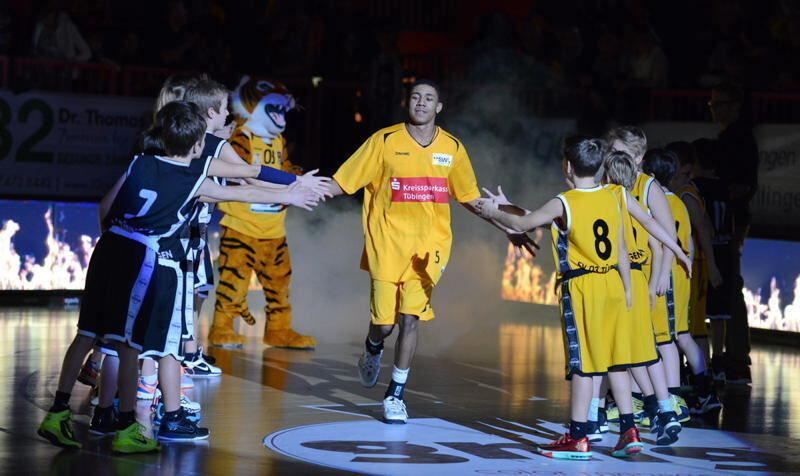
column 261, row 105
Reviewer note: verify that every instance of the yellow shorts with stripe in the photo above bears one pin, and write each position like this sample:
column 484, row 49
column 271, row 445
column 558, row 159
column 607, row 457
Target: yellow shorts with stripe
column 663, row 317
column 387, row 300
column 592, row 306
column 634, row 341
column 682, row 292
column 697, row 301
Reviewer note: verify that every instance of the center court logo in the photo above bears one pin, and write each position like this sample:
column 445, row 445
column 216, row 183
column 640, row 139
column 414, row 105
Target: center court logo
column 435, row 446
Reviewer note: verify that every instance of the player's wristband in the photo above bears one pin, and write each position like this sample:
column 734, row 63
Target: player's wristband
column 268, row 174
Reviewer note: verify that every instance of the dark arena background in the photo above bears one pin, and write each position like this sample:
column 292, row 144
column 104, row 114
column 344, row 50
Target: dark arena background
column 78, row 82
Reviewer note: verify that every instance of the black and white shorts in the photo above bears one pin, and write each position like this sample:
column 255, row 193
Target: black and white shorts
column 168, row 310
column 120, row 272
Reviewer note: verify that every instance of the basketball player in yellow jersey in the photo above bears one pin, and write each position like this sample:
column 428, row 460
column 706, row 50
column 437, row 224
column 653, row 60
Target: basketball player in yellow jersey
column 408, row 172
column 662, row 164
column 692, row 205
column 657, row 405
column 591, row 255
column 704, row 272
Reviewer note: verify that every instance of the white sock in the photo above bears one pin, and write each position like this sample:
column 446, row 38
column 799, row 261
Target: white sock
column 665, row 405
column 399, row 376
column 594, row 407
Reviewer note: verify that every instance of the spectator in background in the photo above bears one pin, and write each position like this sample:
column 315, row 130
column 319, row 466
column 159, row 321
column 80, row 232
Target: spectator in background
column 56, row 36
column 649, row 65
column 128, row 50
column 174, row 37
column 737, row 159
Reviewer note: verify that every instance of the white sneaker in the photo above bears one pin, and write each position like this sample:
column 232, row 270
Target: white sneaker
column 369, row 367
column 394, row 410
column 189, row 405
column 201, row 368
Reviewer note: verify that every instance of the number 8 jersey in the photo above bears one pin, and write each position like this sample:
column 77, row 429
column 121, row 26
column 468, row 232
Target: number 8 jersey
column 589, row 239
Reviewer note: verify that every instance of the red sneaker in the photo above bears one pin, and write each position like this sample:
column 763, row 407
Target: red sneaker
column 567, row 448
column 628, row 445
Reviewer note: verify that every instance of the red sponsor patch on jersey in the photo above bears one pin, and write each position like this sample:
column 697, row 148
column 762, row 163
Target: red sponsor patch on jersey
column 419, row 189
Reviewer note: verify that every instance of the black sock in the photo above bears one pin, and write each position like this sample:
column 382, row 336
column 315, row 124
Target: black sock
column 650, row 405
column 61, row 402
column 637, row 395
column 395, row 390
column 626, row 422
column 601, row 415
column 98, row 410
column 577, row 429
column 374, row 349
column 674, row 391
column 126, row 419
column 702, row 384
column 190, row 356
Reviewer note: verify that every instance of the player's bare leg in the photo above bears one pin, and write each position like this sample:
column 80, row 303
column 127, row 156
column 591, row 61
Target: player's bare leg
column 629, row 442
column 369, row 364
column 73, row 361
column 394, row 409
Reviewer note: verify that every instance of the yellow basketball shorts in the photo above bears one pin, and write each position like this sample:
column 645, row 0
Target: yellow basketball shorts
column 634, row 341
column 697, row 301
column 388, row 300
column 682, row 292
column 663, row 317
column 591, row 306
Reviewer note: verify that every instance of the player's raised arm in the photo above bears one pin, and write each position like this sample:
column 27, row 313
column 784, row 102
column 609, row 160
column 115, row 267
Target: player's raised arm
column 659, row 207
column 295, row 195
column 658, row 232
column 519, row 219
column 519, row 240
column 230, row 165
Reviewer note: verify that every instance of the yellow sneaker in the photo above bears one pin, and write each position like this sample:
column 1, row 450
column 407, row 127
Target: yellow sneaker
column 132, row 440
column 638, row 411
column 680, row 408
column 55, row 429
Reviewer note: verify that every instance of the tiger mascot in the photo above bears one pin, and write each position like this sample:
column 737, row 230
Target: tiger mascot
column 253, row 236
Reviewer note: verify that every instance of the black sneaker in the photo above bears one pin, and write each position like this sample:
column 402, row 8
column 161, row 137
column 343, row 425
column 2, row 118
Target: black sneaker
column 602, row 420
column 593, row 431
column 181, row 429
column 705, row 404
column 104, row 421
column 201, row 368
column 738, row 377
column 668, row 428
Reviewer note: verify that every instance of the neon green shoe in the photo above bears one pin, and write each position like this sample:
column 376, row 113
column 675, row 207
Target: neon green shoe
column 680, row 408
column 55, row 429
column 132, row 440
column 612, row 414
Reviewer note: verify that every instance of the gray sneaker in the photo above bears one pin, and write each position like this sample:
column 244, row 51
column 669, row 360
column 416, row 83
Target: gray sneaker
column 369, row 367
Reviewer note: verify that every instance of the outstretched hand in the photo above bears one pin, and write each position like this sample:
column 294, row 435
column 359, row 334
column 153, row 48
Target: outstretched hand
column 523, row 241
column 299, row 196
column 486, row 207
column 318, row 185
column 500, row 197
column 686, row 263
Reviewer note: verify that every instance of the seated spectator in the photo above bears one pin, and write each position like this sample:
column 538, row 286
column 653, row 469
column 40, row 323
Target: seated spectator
column 56, row 36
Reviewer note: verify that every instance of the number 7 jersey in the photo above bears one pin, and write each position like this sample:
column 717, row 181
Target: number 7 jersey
column 589, row 239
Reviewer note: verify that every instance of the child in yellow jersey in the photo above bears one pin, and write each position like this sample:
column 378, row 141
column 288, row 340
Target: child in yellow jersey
column 632, row 140
column 699, row 223
column 620, row 170
column 662, row 164
column 408, row 172
column 591, row 255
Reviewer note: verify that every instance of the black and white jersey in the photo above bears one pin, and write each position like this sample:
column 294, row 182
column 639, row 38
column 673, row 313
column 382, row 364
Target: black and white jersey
column 155, row 202
column 201, row 216
column 718, row 207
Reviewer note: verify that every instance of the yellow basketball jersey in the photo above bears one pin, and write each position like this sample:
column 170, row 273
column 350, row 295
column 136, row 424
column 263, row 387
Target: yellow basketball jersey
column 590, row 237
column 640, row 192
column 683, row 226
column 263, row 221
column 691, row 192
column 406, row 209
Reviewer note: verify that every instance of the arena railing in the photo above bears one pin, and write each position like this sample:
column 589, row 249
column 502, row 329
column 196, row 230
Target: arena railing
column 55, row 75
